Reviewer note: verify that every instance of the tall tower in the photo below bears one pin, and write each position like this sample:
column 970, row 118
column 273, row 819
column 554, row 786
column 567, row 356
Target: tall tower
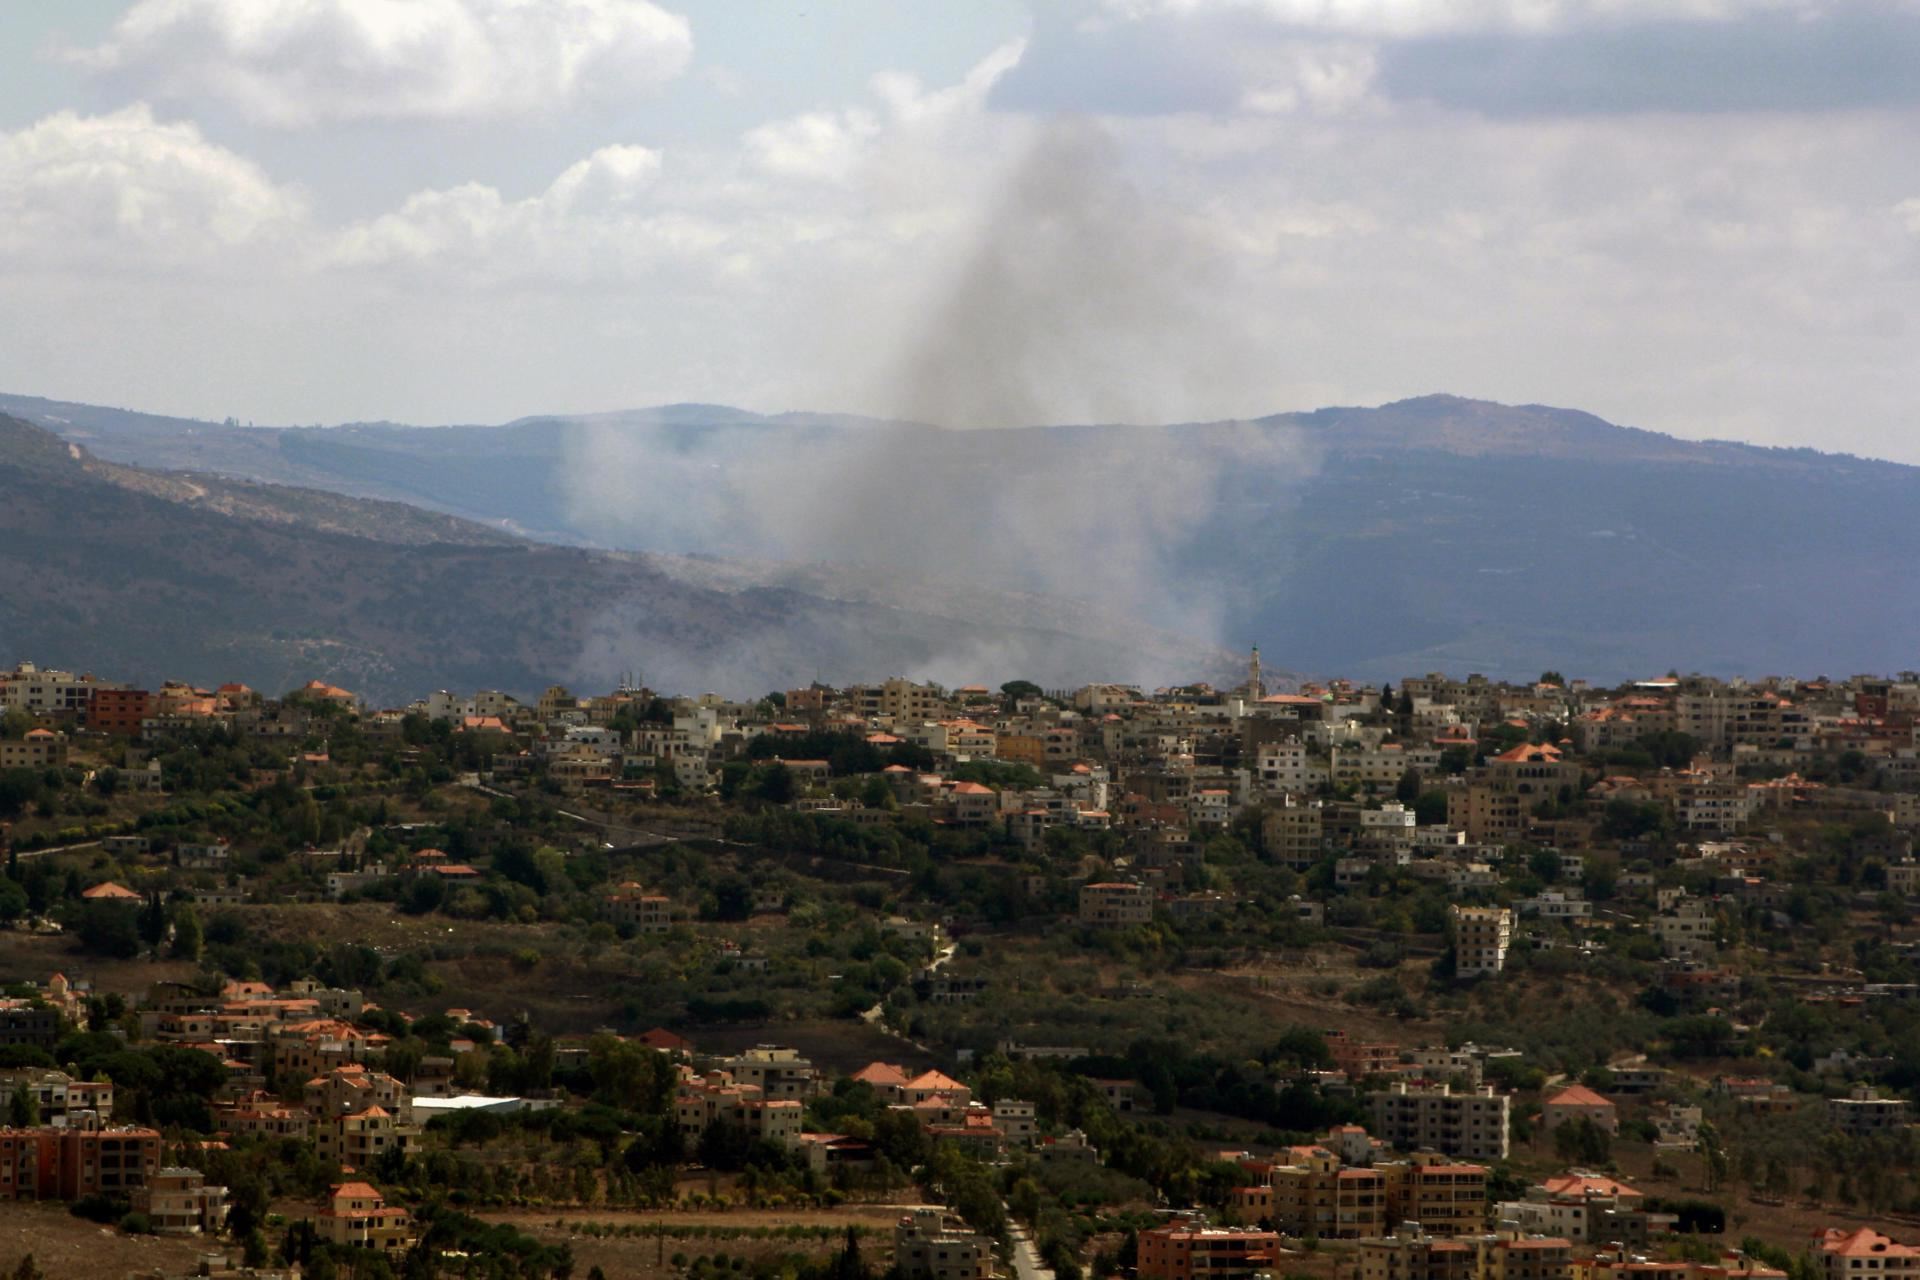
column 1254, row 689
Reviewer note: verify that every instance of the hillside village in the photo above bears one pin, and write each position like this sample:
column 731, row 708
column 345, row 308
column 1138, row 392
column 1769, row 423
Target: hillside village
column 1448, row 980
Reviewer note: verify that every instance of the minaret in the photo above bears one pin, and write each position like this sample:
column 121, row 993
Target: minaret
column 1254, row 689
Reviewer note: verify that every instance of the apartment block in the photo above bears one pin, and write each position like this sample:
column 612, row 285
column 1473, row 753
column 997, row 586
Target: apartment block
column 1190, row 1250
column 1114, row 905
column 930, row 1244
column 1469, row 1125
column 1481, row 936
column 62, row 1163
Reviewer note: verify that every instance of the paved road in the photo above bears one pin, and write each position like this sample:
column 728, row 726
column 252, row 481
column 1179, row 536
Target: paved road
column 1026, row 1258
column 58, row 848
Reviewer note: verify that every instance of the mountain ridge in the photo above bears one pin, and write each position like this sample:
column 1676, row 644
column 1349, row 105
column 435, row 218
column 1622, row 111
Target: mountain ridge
column 1431, row 533
column 132, row 574
column 57, row 415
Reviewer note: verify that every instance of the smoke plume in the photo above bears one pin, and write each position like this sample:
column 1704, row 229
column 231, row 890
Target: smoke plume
column 1075, row 298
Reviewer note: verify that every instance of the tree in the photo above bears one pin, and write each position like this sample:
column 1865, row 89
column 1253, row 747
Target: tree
column 187, row 936
column 848, row 1264
column 18, row 789
column 1582, row 1142
column 1712, row 1154
column 1407, row 790
column 153, row 920
column 23, row 1109
column 1014, row 690
column 732, row 899
column 724, row 1145
column 1545, row 863
column 109, row 928
column 774, row 783
column 1430, row 808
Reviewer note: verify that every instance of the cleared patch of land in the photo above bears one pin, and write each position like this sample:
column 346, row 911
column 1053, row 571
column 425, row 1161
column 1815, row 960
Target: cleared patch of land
column 66, row 1246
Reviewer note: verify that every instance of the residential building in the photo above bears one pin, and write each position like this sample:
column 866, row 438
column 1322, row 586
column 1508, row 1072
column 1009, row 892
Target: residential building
column 36, row 749
column 1413, row 1254
column 1015, row 1119
column 1864, row 1254
column 1522, row 1257
column 931, row 1244
column 1864, row 1111
column 1361, row 1058
column 355, row 1141
column 1293, row 833
column 179, row 1202
column 1111, row 905
column 1614, row 1262
column 716, row 1096
column 1190, row 1250
column 776, row 1071
column 1312, row 1193
column 67, row 1162
column 1687, row 930
column 631, row 907
column 1481, row 936
column 1468, row 1124
column 1577, row 1102
column 120, row 712
column 357, row 1216
column 58, row 1097
column 1585, row 1208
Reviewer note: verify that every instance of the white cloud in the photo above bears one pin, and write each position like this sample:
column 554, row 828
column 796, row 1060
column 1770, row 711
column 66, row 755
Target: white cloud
column 819, row 144
column 833, row 145
column 820, row 194
column 127, row 191
column 1427, row 17
column 592, row 220
column 1321, row 77
column 1716, row 275
column 297, row 63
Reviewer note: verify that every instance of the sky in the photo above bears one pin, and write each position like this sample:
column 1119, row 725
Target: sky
column 1696, row 216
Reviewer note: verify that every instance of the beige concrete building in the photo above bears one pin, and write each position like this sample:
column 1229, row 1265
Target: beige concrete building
column 1470, row 1124
column 1481, row 936
column 357, row 1216
column 1112, row 904
column 632, row 907
column 178, row 1202
column 930, row 1244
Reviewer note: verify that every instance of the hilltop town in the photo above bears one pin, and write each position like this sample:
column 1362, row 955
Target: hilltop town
column 1448, row 979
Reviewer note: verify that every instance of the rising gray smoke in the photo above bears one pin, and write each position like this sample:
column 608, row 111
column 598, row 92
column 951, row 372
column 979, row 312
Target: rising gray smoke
column 1077, row 300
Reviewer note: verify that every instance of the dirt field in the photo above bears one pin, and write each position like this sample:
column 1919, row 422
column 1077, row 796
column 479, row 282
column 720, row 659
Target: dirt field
column 1288, row 994
column 37, row 957
column 843, row 1046
column 70, row 1248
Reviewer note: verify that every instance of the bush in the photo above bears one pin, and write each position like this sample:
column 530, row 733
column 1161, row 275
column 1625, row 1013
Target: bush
column 136, row 1224
column 99, row 1208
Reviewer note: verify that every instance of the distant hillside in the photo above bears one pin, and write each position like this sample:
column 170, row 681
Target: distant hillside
column 1431, row 533
column 150, row 576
